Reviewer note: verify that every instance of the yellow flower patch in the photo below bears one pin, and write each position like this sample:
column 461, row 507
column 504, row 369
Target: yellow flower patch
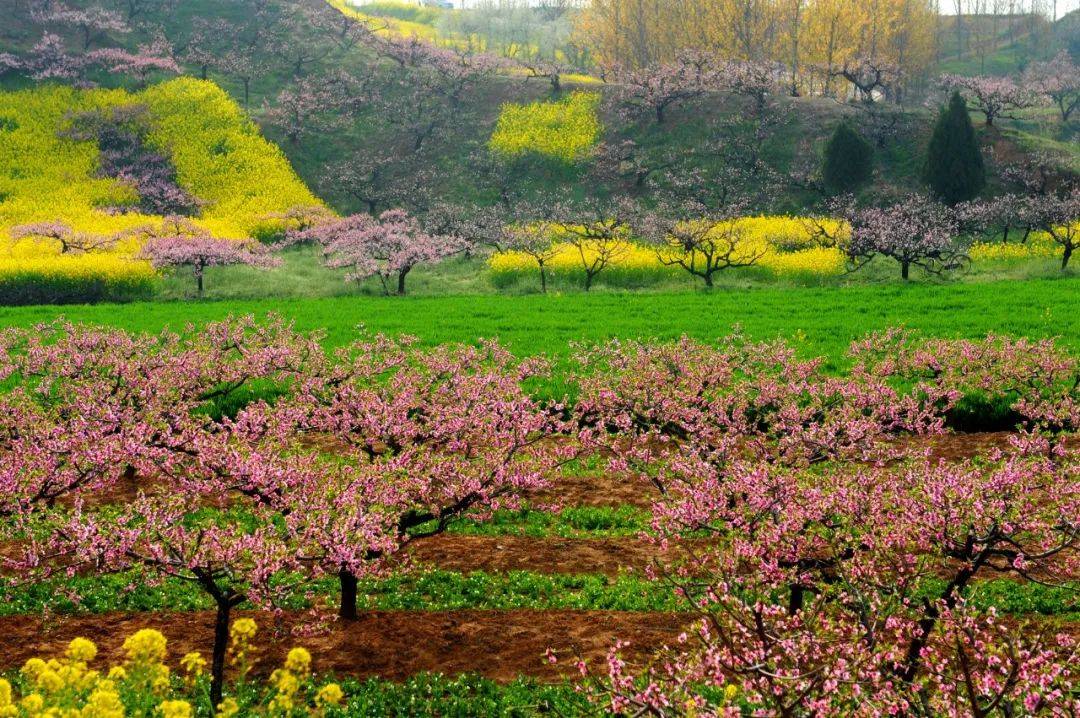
column 564, row 130
column 46, row 176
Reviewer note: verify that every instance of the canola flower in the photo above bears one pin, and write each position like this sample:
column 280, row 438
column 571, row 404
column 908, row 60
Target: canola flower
column 68, row 687
column 789, row 244
column 1038, row 246
column 565, row 129
column 47, row 176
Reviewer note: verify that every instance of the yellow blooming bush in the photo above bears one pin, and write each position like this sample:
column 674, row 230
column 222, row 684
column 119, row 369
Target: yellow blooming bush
column 787, row 245
column 48, row 176
column 1038, row 246
column 67, row 687
column 564, row 130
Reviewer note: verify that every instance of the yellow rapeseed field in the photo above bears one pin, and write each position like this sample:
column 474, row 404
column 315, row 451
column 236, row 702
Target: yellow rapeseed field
column 565, row 129
column 788, row 243
column 218, row 154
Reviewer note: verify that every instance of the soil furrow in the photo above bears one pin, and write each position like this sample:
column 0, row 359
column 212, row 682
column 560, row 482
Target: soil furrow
column 389, row 644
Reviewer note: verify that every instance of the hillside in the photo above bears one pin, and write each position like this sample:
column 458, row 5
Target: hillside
column 102, row 161
column 1003, row 45
column 377, row 134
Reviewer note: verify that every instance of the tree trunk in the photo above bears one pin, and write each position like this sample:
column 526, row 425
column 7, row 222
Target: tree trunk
column 588, row 280
column 708, row 279
column 796, row 599
column 221, row 645
column 1065, row 256
column 543, row 279
column 659, row 114
column 347, row 610
column 905, row 269
column 401, row 281
column 199, row 280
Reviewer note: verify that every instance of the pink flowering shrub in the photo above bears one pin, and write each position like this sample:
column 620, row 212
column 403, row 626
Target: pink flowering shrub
column 1039, row 380
column 837, row 572
column 692, row 408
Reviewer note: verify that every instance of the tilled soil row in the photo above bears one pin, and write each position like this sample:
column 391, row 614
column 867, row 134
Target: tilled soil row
column 501, row 645
column 614, row 556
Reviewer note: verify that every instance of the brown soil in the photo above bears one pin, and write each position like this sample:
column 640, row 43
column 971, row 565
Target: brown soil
column 959, row 446
column 542, row 555
column 390, row 644
column 602, row 490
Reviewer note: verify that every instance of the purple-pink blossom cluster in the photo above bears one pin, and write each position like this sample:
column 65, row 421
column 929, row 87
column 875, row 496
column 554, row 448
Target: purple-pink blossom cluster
column 182, row 243
column 388, row 246
column 834, row 577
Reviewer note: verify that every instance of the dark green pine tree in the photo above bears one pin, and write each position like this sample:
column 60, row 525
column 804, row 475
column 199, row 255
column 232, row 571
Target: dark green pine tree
column 954, row 166
column 849, row 160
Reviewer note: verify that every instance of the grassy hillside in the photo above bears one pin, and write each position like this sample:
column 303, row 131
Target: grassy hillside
column 218, row 154
column 450, row 156
column 48, row 174
column 1003, row 45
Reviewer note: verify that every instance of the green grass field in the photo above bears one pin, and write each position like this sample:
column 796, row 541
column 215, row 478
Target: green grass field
column 822, row 320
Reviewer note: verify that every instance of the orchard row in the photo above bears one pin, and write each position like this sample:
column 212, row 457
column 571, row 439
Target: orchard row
column 263, row 462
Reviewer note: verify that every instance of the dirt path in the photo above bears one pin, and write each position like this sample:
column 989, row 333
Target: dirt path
column 543, row 555
column 390, row 644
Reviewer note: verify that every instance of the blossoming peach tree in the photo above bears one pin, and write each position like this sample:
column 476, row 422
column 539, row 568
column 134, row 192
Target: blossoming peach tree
column 387, row 247
column 181, row 243
column 832, row 587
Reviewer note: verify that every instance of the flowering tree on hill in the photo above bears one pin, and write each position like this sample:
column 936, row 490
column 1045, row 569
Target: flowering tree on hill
column 533, row 233
column 655, row 90
column 68, row 240
column 1059, row 217
column 49, row 60
column 869, row 76
column 1058, row 79
column 310, row 106
column 993, row 96
column 151, row 57
column 92, row 23
column 388, row 247
column 599, row 232
column 701, row 242
column 181, row 243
